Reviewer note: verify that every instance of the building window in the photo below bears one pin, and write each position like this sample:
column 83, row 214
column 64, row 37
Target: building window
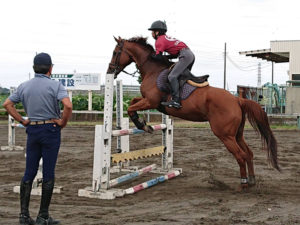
column 296, row 79
column 295, row 76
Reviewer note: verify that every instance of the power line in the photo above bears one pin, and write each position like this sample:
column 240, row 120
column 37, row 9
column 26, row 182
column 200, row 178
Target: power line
column 246, row 69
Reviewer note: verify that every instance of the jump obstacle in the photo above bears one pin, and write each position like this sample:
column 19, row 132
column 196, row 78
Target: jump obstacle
column 102, row 185
column 36, row 185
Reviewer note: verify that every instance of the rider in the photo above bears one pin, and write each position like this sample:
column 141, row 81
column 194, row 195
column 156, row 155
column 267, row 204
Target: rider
column 176, row 49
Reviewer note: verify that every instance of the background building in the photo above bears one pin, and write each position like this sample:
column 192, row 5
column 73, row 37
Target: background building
column 282, row 52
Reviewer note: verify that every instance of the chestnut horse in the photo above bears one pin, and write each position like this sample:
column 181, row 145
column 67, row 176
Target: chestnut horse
column 225, row 113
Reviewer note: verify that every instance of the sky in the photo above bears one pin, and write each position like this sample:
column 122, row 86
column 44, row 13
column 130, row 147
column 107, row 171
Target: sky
column 78, row 34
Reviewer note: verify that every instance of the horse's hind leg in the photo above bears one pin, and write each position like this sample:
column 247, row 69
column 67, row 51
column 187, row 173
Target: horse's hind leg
column 240, row 156
column 249, row 159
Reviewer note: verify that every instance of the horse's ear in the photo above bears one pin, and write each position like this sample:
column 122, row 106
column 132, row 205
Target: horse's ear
column 116, row 39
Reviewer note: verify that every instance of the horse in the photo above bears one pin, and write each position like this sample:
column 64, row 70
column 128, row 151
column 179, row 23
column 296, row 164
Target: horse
column 225, row 112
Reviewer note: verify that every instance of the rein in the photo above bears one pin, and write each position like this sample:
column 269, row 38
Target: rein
column 132, row 74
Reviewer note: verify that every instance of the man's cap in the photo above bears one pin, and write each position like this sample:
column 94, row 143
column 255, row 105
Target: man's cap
column 42, row 59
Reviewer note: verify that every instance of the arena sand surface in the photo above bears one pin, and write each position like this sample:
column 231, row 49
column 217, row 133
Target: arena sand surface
column 206, row 192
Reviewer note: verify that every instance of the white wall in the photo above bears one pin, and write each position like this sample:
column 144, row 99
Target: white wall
column 292, row 100
column 293, row 47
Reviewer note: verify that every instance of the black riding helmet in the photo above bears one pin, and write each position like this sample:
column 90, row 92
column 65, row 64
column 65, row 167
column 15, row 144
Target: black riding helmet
column 158, row 26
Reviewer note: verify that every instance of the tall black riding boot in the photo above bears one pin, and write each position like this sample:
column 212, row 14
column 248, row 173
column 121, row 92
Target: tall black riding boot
column 25, row 191
column 175, row 101
column 43, row 217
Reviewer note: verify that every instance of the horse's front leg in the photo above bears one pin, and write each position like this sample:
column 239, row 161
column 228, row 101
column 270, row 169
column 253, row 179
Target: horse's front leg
column 138, row 104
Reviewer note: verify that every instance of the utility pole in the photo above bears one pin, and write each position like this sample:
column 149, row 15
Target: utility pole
column 259, row 75
column 225, row 67
column 272, row 72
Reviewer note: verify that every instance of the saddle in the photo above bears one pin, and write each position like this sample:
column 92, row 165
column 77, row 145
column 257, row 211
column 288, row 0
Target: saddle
column 188, row 77
column 187, row 82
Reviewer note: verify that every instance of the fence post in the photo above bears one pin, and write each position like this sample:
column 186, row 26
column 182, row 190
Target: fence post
column 90, row 101
column 70, row 94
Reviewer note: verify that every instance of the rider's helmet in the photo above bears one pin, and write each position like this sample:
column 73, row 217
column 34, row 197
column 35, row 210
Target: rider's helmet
column 159, row 26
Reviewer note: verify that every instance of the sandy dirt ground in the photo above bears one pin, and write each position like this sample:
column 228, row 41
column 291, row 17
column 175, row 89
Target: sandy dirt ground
column 206, row 192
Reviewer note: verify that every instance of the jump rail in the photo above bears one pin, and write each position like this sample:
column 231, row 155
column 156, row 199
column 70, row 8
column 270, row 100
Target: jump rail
column 118, row 133
column 152, row 182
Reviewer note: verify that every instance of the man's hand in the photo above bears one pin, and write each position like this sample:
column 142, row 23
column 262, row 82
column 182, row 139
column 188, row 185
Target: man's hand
column 66, row 114
column 10, row 108
column 25, row 123
column 60, row 122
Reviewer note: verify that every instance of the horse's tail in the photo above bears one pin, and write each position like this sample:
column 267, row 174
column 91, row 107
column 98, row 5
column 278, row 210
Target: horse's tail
column 259, row 121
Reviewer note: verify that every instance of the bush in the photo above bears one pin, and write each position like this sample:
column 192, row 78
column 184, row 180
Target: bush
column 80, row 102
column 3, row 97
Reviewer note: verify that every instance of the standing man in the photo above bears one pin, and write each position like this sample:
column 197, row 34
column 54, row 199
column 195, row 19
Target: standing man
column 176, row 49
column 40, row 97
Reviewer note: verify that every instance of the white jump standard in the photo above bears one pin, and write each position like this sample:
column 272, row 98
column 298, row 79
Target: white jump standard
column 12, row 136
column 101, row 183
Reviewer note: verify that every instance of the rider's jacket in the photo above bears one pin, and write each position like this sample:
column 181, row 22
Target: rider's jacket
column 165, row 43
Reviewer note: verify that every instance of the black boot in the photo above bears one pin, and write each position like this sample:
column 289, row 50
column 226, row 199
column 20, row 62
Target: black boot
column 25, row 191
column 43, row 218
column 25, row 220
column 175, row 101
column 49, row 221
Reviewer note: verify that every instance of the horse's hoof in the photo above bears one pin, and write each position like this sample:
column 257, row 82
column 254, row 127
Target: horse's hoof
column 243, row 187
column 148, row 129
column 251, row 180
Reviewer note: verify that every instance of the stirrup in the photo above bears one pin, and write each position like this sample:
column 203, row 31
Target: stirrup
column 171, row 104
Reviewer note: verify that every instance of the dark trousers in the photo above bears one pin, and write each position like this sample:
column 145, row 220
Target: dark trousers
column 43, row 141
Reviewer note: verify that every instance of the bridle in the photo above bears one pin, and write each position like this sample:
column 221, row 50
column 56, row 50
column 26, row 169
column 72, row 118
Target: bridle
column 116, row 65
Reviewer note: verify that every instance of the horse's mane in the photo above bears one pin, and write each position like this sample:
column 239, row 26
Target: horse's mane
column 141, row 41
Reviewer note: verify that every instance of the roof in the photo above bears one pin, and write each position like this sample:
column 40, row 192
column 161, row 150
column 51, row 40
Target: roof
column 266, row 54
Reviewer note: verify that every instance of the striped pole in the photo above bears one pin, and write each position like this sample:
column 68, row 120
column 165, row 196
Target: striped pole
column 152, row 182
column 132, row 175
column 117, row 133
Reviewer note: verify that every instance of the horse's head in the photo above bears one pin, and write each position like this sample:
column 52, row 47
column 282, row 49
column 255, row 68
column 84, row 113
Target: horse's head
column 120, row 58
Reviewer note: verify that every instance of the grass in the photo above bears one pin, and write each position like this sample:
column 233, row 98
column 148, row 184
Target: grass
column 284, row 127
